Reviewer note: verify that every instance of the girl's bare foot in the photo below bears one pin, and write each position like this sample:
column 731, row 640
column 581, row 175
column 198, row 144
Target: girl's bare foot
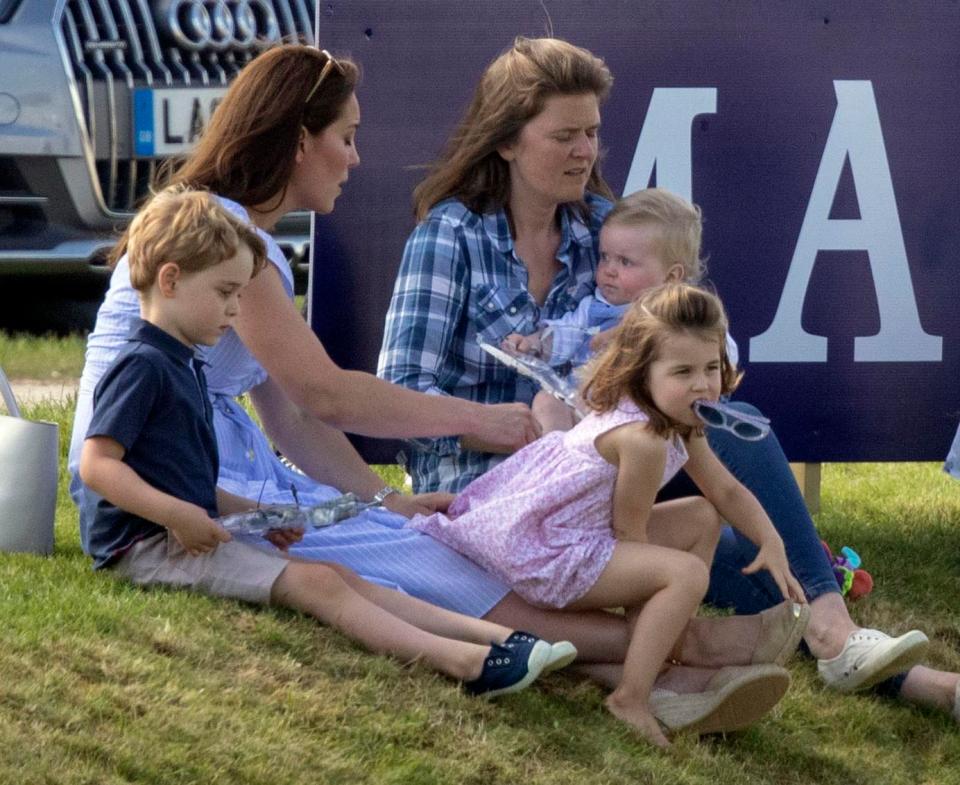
column 637, row 715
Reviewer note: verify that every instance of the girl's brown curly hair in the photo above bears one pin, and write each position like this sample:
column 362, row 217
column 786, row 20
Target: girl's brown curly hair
column 622, row 368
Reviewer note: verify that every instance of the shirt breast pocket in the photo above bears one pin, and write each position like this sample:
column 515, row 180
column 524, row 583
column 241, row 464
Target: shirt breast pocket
column 578, row 289
column 499, row 311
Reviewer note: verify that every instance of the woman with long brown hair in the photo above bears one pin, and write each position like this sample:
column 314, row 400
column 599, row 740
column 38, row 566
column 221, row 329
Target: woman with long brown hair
column 509, row 217
column 283, row 139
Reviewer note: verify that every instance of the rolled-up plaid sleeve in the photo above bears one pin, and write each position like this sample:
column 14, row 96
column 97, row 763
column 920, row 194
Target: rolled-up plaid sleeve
column 427, row 303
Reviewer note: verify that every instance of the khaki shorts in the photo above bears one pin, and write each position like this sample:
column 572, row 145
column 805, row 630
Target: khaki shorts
column 234, row 569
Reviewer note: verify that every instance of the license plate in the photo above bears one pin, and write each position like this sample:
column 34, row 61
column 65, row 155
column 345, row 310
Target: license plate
column 168, row 121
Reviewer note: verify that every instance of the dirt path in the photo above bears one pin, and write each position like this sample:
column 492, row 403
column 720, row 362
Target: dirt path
column 32, row 390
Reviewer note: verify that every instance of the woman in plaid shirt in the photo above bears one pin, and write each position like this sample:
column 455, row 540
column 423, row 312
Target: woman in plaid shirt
column 508, row 229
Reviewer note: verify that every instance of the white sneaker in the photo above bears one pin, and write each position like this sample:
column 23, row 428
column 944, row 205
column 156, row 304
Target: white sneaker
column 869, row 657
column 562, row 654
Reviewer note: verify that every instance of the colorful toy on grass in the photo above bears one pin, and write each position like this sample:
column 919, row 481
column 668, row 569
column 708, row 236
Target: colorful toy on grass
column 854, row 582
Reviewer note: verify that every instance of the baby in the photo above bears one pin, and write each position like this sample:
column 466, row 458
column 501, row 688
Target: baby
column 649, row 238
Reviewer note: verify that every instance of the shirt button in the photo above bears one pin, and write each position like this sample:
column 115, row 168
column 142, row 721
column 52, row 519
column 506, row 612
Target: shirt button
column 250, row 455
column 512, row 309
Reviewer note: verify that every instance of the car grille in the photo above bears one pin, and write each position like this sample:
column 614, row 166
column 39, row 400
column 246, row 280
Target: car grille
column 114, row 46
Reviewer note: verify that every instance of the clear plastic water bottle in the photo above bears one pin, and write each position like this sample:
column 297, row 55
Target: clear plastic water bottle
column 278, row 517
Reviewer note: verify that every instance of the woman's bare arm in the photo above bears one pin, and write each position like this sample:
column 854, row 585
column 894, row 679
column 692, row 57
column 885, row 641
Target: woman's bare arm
column 284, row 344
column 325, row 454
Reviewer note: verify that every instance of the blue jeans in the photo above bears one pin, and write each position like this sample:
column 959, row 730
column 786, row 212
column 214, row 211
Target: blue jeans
column 763, row 468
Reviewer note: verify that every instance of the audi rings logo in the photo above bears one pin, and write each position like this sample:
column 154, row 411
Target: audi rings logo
column 199, row 25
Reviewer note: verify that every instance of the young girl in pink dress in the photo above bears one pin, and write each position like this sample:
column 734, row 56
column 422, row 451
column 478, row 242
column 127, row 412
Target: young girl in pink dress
column 570, row 521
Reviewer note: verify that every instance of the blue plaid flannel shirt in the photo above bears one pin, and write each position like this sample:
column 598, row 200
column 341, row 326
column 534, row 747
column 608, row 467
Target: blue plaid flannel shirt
column 460, row 278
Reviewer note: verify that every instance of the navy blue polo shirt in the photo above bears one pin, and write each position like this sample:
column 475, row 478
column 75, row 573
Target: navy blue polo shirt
column 153, row 401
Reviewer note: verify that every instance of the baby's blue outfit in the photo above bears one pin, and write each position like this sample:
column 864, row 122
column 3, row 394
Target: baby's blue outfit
column 571, row 333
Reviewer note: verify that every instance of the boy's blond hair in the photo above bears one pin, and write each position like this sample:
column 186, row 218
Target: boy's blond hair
column 678, row 220
column 190, row 228
column 623, row 368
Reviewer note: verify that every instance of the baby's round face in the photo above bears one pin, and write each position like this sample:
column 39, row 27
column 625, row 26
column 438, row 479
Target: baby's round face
column 630, row 262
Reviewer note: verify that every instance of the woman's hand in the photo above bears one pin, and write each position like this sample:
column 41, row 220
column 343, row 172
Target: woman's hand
column 773, row 557
column 418, row 504
column 502, row 428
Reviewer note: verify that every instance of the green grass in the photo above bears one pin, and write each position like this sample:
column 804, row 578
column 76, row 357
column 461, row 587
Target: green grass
column 104, row 683
column 25, row 356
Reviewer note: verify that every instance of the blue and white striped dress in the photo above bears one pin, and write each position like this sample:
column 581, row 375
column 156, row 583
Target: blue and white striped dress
column 375, row 544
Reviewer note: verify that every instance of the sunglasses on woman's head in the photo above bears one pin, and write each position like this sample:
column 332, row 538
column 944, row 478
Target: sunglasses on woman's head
column 327, row 68
column 717, row 414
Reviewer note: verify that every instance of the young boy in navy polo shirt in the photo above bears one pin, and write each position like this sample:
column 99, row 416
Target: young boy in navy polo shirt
column 151, row 453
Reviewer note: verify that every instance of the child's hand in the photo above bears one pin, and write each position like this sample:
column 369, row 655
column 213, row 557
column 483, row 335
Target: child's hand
column 773, row 557
column 195, row 530
column 511, row 343
column 284, row 538
column 524, row 344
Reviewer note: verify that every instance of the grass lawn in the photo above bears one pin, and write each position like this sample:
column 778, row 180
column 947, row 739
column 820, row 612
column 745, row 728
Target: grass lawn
column 24, row 356
column 104, row 683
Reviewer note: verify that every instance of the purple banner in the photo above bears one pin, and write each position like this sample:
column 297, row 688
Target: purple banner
column 819, row 139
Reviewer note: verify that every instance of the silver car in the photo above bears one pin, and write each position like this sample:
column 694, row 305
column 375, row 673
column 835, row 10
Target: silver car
column 94, row 96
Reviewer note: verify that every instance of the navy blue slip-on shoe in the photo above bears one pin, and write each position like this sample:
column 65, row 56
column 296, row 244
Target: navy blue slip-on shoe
column 508, row 670
column 562, row 653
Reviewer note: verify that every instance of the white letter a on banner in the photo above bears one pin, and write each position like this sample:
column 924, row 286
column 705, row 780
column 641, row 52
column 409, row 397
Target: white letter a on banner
column 855, row 133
